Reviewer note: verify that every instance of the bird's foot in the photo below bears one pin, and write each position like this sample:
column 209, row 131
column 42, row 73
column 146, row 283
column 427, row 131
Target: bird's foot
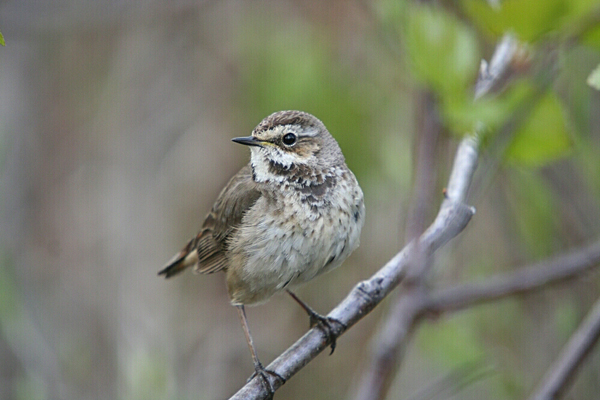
column 327, row 326
column 263, row 375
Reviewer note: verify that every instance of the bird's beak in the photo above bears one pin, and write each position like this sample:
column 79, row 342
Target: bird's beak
column 248, row 141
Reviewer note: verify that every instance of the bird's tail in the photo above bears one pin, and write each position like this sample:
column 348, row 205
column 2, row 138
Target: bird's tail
column 187, row 257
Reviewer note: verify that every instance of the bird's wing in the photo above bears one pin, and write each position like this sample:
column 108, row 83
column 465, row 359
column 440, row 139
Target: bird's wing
column 206, row 251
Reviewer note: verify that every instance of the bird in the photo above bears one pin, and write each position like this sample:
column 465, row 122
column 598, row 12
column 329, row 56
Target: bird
column 295, row 211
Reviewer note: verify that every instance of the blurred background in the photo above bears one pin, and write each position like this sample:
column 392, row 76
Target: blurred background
column 115, row 127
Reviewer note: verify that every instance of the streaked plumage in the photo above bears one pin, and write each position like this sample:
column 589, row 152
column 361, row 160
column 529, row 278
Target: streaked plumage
column 291, row 214
column 294, row 212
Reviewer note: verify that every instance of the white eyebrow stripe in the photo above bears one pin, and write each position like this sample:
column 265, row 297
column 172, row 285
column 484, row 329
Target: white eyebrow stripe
column 309, row 131
column 280, row 130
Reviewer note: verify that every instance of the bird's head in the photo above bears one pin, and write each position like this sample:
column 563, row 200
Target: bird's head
column 290, row 143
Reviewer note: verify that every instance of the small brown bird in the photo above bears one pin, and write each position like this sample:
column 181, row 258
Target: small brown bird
column 294, row 212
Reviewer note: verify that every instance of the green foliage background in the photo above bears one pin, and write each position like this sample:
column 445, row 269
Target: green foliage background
column 114, row 136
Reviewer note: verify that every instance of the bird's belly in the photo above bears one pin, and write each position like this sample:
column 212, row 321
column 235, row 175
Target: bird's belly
column 283, row 250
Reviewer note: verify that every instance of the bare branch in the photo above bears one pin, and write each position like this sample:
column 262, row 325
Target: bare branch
column 450, row 221
column 411, row 265
column 525, row 279
column 561, row 373
column 394, row 335
column 493, row 75
column 452, row 218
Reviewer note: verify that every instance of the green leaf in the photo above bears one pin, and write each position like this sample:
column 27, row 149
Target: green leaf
column 594, row 79
column 462, row 117
column 543, row 137
column 442, row 52
column 528, row 19
column 2, row 42
column 492, row 112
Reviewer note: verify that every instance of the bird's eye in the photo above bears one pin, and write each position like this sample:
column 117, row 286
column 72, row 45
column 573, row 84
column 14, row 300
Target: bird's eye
column 289, row 139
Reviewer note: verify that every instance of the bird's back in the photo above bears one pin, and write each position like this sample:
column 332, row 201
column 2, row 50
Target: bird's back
column 207, row 251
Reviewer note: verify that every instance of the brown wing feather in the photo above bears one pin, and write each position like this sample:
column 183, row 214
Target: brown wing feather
column 206, row 251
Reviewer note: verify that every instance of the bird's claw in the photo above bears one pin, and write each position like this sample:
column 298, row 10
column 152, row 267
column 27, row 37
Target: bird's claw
column 262, row 373
column 326, row 326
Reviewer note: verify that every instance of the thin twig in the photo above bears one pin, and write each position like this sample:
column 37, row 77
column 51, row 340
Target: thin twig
column 391, row 342
column 526, row 279
column 562, row 371
column 492, row 75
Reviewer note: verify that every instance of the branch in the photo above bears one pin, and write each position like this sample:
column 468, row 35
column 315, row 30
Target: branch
column 450, row 221
column 391, row 341
column 571, row 357
column 452, row 218
column 493, row 75
column 526, row 279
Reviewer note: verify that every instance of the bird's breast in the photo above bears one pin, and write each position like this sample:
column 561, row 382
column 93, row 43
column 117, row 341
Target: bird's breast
column 294, row 234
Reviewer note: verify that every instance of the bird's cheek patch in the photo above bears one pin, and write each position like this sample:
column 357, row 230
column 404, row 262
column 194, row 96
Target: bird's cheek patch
column 306, row 150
